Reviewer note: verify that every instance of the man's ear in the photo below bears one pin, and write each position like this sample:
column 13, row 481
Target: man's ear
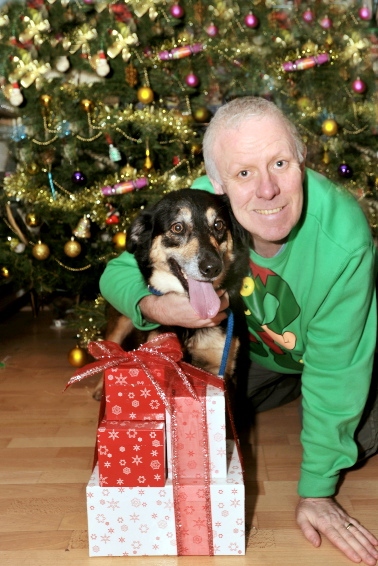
column 217, row 187
column 303, row 164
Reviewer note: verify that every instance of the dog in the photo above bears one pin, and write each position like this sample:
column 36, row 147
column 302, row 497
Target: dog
column 190, row 243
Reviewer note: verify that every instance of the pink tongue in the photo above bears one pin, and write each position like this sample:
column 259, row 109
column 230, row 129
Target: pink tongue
column 203, row 298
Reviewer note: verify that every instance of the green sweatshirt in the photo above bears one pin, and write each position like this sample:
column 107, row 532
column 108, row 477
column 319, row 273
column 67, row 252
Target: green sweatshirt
column 310, row 310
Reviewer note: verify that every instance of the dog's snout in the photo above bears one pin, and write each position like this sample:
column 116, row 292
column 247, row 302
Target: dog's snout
column 210, row 267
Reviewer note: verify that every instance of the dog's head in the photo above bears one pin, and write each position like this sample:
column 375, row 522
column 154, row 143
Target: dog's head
column 188, row 243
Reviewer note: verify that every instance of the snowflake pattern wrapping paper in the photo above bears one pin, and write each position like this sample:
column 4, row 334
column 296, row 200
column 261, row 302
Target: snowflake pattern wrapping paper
column 130, row 395
column 139, row 521
column 131, row 453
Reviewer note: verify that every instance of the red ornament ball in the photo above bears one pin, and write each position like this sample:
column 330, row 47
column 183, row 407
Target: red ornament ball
column 308, row 16
column 364, row 13
column 251, row 21
column 78, row 178
column 212, row 30
column 326, row 23
column 345, row 171
column 176, row 11
column 192, row 80
column 359, row 86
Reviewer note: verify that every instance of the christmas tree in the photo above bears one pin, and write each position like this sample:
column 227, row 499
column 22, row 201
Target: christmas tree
column 108, row 102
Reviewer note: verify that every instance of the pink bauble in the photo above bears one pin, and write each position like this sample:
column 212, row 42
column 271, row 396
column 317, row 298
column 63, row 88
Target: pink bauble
column 326, row 22
column 176, row 11
column 192, row 80
column 359, row 86
column 364, row 13
column 251, row 21
column 308, row 16
column 212, row 30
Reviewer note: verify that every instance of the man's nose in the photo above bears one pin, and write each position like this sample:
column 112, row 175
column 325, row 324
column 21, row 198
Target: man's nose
column 267, row 186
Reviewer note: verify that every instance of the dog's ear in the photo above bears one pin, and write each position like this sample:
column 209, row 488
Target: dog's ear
column 240, row 235
column 140, row 231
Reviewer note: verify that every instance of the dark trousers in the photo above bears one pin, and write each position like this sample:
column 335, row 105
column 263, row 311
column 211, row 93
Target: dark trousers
column 267, row 389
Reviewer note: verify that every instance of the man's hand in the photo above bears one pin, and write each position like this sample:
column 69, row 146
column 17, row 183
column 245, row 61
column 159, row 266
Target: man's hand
column 173, row 309
column 323, row 515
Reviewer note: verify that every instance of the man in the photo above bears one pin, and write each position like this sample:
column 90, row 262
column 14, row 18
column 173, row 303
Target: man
column 310, row 303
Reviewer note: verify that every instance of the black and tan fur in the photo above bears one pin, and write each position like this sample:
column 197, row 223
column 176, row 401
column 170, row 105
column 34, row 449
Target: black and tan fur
column 189, row 233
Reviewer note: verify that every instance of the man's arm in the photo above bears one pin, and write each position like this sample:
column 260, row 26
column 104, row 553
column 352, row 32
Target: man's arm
column 123, row 286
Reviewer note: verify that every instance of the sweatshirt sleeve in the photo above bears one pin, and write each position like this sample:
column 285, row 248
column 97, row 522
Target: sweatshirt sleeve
column 337, row 374
column 123, row 286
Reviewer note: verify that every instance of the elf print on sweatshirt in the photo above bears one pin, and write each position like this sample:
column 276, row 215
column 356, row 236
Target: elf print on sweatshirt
column 270, row 310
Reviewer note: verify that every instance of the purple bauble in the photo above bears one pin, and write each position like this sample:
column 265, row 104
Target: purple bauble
column 359, row 86
column 308, row 16
column 251, row 21
column 345, row 171
column 192, row 80
column 326, row 22
column 212, row 30
column 176, row 11
column 78, row 178
column 364, row 13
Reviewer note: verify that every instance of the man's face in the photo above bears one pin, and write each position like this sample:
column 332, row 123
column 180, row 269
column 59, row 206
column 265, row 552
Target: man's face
column 261, row 174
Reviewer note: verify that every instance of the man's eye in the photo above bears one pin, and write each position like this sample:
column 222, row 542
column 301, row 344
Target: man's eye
column 243, row 173
column 177, row 228
column 280, row 163
column 219, row 225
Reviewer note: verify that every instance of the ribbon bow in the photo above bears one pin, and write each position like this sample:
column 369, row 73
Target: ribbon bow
column 165, row 348
column 141, row 7
column 123, row 38
column 80, row 39
column 27, row 70
column 34, row 27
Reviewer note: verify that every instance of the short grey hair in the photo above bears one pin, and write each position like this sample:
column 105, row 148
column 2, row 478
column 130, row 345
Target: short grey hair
column 230, row 115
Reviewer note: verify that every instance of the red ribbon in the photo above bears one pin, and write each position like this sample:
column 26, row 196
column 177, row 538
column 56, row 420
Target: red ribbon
column 166, row 349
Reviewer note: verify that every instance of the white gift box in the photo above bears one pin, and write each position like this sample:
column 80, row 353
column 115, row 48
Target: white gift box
column 216, row 432
column 139, row 521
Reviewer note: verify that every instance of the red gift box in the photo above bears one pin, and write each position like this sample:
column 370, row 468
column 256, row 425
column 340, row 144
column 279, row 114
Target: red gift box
column 130, row 395
column 131, row 453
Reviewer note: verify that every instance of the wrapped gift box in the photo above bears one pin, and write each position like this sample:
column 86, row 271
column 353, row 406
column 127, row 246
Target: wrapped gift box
column 131, row 453
column 189, row 429
column 130, row 395
column 141, row 521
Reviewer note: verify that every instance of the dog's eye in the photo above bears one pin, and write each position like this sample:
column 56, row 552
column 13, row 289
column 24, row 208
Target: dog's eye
column 177, row 228
column 219, row 225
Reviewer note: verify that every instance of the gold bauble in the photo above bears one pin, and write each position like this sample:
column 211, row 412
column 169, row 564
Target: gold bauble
column 305, row 104
column 119, row 240
column 32, row 168
column 145, row 94
column 330, row 127
column 86, row 104
column 77, row 357
column 41, row 251
column 326, row 158
column 32, row 220
column 196, row 149
column 201, row 114
column 45, row 100
column 4, row 272
column 148, row 163
column 72, row 248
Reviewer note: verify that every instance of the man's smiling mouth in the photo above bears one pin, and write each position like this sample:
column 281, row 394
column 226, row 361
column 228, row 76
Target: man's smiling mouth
column 269, row 211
